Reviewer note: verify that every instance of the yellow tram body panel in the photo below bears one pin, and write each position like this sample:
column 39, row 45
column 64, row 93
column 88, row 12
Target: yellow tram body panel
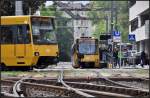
column 87, row 59
column 24, row 54
column 91, row 58
column 47, row 50
column 11, row 20
column 17, row 54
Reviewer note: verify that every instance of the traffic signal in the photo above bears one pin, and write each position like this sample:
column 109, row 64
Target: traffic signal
column 105, row 37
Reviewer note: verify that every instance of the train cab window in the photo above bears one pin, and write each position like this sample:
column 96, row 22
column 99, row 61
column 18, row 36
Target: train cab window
column 43, row 31
column 87, row 46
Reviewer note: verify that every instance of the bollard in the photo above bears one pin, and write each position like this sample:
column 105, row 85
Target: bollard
column 110, row 66
column 88, row 78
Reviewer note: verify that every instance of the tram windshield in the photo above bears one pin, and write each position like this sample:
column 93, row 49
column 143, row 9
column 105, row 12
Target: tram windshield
column 43, row 31
column 87, row 47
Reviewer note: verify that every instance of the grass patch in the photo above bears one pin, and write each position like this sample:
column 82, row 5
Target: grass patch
column 11, row 73
column 142, row 71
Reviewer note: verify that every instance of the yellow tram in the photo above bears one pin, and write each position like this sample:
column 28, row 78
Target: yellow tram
column 28, row 41
column 85, row 53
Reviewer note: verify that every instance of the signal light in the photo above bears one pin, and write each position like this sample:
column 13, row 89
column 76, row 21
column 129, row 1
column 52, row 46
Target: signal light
column 105, row 37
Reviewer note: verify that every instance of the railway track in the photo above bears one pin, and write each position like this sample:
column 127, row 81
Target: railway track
column 40, row 90
column 90, row 86
column 31, row 87
column 89, row 80
column 112, row 81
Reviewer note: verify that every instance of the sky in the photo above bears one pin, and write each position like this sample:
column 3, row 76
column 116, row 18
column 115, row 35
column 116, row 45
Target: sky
column 50, row 2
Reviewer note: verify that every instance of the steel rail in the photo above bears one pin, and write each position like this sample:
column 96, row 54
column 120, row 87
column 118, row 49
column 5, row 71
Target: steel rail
column 113, row 89
column 80, row 79
column 89, row 86
column 102, row 94
column 111, row 81
column 115, row 83
column 5, row 94
column 70, row 88
column 59, row 90
column 7, row 82
column 96, row 93
column 16, row 88
column 94, row 88
column 100, row 81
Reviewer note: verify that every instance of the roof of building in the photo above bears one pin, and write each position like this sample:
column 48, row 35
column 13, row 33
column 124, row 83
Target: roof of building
column 69, row 5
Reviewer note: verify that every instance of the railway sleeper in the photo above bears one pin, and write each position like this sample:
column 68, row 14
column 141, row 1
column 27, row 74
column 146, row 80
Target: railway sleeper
column 103, row 94
column 56, row 89
column 113, row 89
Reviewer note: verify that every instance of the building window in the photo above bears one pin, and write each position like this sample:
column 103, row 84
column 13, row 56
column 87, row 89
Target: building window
column 144, row 18
column 134, row 24
column 82, row 22
column 76, row 22
column 138, row 46
column 131, row 3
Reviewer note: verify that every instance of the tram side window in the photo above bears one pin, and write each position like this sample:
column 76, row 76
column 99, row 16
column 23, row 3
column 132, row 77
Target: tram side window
column 23, row 34
column 20, row 37
column 15, row 34
column 6, row 35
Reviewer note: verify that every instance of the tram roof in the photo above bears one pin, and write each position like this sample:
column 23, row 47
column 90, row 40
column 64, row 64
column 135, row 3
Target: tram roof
column 21, row 16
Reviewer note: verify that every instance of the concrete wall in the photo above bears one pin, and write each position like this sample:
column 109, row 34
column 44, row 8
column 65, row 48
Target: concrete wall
column 137, row 8
column 142, row 32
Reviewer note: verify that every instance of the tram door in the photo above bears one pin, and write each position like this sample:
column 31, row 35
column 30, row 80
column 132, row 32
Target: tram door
column 21, row 41
column 13, row 44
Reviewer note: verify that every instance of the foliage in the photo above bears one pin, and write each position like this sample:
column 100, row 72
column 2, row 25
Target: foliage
column 122, row 15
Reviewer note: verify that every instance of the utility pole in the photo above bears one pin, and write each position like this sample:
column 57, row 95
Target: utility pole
column 112, row 6
column 18, row 8
column 29, row 10
column 116, row 29
column 107, row 24
column 116, row 17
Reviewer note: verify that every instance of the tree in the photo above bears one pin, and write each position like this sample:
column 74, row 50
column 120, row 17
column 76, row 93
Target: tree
column 100, row 25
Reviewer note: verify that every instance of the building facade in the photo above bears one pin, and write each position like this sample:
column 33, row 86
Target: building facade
column 139, row 24
column 81, row 27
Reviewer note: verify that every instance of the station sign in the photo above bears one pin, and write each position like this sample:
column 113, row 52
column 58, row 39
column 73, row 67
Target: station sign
column 116, row 33
column 105, row 36
column 131, row 37
column 109, row 41
column 116, row 36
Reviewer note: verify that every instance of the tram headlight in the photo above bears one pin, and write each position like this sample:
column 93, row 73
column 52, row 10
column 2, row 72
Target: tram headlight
column 36, row 53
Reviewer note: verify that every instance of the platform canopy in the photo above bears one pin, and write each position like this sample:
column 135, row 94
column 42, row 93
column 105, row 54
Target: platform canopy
column 7, row 7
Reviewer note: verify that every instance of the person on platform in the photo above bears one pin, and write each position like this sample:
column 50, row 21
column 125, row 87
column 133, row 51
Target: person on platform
column 143, row 58
column 115, row 54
